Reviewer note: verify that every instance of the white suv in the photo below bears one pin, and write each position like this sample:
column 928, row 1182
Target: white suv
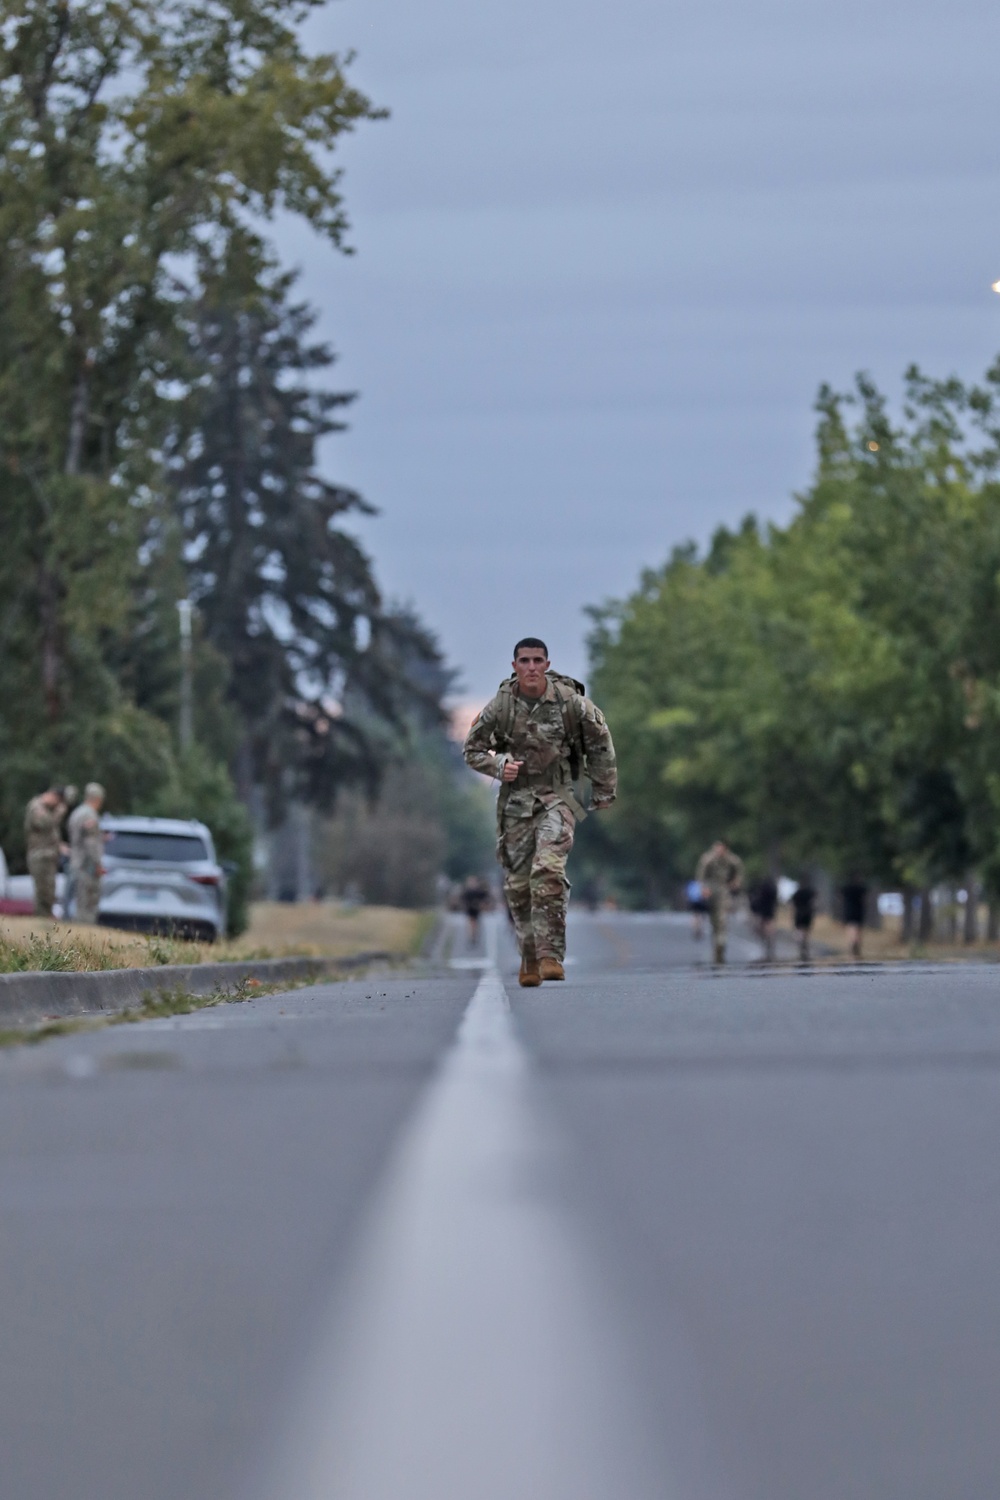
column 161, row 875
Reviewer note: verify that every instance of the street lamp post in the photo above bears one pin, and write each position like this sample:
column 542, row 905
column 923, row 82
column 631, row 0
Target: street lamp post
column 185, row 610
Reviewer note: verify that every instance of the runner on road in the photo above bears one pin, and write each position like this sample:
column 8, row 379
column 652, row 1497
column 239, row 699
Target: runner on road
column 536, row 737
column 474, row 897
column 721, row 874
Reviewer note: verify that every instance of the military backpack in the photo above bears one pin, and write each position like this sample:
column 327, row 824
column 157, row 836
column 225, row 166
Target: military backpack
column 569, row 692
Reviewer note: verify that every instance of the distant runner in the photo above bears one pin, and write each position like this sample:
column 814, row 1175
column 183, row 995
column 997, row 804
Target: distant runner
column 474, row 898
column 803, row 911
column 853, row 896
column 698, row 907
column 720, row 873
column 763, row 902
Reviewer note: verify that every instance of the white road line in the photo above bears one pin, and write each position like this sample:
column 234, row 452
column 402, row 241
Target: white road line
column 470, row 1356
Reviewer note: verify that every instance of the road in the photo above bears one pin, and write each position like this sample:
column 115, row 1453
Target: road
column 660, row 1231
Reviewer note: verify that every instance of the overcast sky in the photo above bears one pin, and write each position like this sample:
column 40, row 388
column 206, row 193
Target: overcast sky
column 605, row 256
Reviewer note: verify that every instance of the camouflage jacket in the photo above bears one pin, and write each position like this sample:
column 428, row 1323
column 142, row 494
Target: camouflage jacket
column 86, row 842
column 538, row 737
column 41, row 828
column 720, row 872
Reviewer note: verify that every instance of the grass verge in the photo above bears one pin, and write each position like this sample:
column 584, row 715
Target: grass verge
column 167, row 1002
column 315, row 929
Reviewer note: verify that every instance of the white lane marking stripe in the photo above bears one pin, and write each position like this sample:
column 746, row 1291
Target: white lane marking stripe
column 469, row 1357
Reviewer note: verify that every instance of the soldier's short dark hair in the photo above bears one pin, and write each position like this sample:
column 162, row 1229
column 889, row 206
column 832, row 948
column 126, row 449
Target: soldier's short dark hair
column 532, row 640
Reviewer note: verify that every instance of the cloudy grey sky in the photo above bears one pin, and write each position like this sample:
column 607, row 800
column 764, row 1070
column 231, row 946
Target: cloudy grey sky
column 607, row 253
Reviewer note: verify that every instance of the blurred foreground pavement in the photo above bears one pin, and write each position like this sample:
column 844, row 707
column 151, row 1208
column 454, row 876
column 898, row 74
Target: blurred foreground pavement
column 656, row 1232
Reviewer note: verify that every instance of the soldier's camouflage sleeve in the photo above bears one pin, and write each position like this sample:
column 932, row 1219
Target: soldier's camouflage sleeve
column 478, row 748
column 602, row 768
column 39, row 820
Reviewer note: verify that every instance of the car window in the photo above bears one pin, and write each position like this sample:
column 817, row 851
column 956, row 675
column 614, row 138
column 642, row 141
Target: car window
column 163, row 848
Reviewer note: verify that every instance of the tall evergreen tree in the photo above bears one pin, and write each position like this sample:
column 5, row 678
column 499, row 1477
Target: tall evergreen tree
column 317, row 662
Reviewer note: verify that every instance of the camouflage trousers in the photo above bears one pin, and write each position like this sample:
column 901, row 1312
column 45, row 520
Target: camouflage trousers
column 87, row 895
column 42, row 869
column 718, row 915
column 533, row 853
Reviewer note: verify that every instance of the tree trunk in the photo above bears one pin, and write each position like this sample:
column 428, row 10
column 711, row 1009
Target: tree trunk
column 78, row 420
column 244, row 771
column 48, row 619
column 906, row 927
column 925, row 930
column 970, row 926
column 48, row 584
column 993, row 920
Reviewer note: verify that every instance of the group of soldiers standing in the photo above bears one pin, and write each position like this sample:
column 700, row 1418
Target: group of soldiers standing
column 82, row 842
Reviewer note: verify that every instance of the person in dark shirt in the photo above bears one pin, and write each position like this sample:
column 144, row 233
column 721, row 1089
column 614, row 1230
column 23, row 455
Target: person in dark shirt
column 853, row 895
column 764, row 904
column 803, row 911
column 475, row 896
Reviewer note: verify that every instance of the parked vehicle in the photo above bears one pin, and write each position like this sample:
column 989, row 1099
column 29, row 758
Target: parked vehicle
column 161, row 875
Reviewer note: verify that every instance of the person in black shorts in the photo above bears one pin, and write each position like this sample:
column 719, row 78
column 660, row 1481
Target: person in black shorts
column 475, row 896
column 803, row 911
column 853, row 895
column 698, row 907
column 764, row 905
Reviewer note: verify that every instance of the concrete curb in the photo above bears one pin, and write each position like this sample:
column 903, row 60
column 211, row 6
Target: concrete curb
column 40, row 995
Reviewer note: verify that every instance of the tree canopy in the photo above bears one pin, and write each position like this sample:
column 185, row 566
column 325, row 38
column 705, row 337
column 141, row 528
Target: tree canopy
column 826, row 692
column 161, row 402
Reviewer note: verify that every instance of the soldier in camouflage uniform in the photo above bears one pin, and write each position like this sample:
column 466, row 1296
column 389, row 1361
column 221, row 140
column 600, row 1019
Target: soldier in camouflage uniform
column 534, row 737
column 720, row 872
column 42, row 823
column 86, row 845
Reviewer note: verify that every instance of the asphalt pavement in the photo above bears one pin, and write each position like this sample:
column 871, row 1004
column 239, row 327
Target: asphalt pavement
column 662, row 1232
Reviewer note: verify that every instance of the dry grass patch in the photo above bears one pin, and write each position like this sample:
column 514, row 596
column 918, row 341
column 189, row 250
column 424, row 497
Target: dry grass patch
column 328, row 929
column 321, row 929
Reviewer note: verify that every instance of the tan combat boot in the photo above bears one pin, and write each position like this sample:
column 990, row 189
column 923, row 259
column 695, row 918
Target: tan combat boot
column 529, row 975
column 551, row 968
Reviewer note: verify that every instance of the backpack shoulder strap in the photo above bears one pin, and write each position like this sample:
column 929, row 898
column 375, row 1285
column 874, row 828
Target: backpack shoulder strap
column 570, row 694
column 505, row 713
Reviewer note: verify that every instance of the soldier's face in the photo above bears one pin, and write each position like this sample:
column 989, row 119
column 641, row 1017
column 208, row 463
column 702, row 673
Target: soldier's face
column 530, row 664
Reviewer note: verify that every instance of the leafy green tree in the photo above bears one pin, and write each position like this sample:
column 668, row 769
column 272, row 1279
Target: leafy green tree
column 132, row 138
column 128, row 136
column 826, row 692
